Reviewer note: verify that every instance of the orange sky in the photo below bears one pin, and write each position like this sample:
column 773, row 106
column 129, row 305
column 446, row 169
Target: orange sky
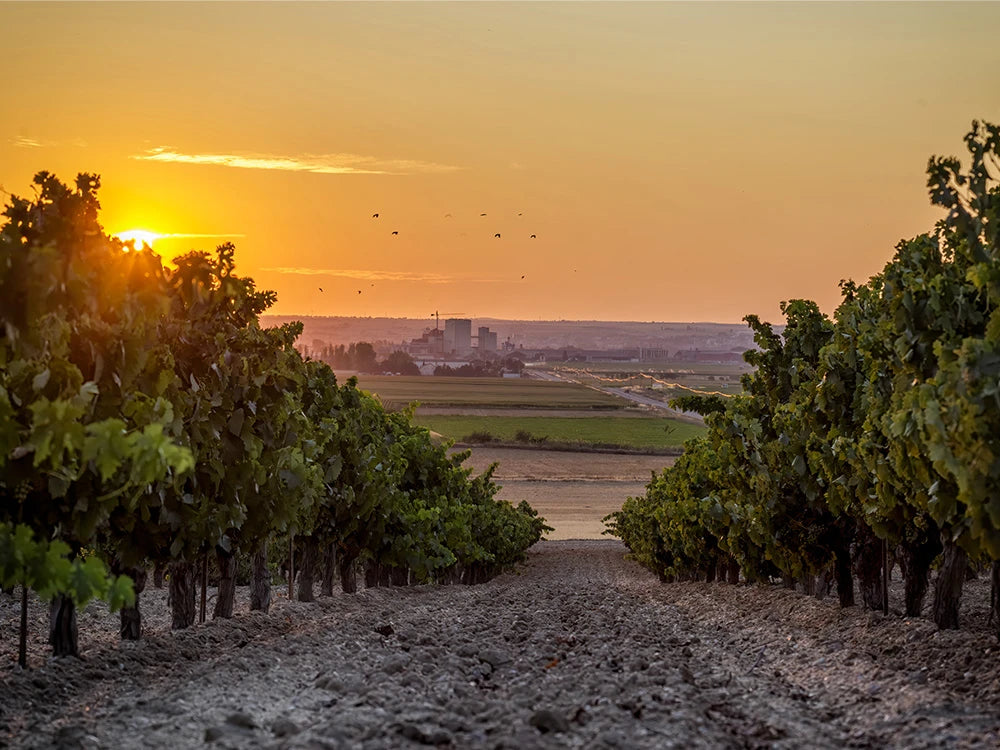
column 677, row 161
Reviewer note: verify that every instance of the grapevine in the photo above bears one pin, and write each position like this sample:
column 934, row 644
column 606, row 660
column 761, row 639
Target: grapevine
column 875, row 430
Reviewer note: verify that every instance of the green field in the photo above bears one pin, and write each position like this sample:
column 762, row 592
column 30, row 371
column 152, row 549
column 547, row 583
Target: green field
column 396, row 391
column 650, row 433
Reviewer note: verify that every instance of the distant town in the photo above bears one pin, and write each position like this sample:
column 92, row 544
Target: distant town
column 504, row 346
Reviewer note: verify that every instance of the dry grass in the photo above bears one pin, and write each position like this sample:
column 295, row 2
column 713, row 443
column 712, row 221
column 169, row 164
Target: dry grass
column 573, row 491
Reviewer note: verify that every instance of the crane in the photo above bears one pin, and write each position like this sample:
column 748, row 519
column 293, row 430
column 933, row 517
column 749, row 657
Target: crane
column 436, row 315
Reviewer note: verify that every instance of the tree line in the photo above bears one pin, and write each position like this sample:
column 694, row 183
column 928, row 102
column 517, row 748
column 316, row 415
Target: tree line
column 147, row 419
column 875, row 431
column 361, row 356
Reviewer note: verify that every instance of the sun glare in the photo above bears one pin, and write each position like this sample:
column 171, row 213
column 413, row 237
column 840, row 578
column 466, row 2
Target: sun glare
column 140, row 236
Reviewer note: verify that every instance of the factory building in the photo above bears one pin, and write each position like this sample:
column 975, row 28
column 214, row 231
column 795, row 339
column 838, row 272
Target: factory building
column 487, row 340
column 458, row 336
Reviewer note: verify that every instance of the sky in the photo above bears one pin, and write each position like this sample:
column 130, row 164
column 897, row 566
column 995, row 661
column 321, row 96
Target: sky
column 675, row 161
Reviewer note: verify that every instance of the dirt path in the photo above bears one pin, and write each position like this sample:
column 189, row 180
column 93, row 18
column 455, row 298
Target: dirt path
column 579, row 649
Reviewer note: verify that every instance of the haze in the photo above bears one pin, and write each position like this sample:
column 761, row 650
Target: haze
column 676, row 161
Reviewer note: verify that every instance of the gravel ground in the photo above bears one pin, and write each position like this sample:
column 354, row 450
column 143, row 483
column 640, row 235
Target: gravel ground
column 580, row 648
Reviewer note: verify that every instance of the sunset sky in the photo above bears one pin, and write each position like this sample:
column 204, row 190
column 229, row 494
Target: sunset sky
column 676, row 161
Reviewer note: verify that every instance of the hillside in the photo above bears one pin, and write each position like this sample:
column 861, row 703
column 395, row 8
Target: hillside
column 533, row 334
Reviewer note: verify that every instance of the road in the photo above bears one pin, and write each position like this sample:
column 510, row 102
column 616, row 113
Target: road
column 637, row 398
column 655, row 403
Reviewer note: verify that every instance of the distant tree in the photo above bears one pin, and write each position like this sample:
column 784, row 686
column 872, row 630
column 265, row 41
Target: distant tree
column 477, row 368
column 338, row 358
column 399, row 362
column 365, row 359
column 513, row 364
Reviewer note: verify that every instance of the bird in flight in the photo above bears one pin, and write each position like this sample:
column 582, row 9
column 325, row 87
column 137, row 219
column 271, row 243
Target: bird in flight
column 519, row 214
column 522, row 276
column 482, row 214
column 497, row 235
column 395, row 232
column 447, row 216
column 374, row 216
column 321, row 289
column 359, row 291
column 532, row 236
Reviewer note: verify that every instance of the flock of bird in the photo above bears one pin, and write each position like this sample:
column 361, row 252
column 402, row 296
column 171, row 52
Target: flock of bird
column 395, row 233
column 448, row 216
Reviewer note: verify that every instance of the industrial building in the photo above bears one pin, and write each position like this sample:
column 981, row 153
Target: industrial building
column 487, row 340
column 431, row 344
column 455, row 341
column 458, row 337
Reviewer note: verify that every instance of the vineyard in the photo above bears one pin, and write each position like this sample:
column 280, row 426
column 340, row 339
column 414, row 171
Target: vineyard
column 148, row 421
column 862, row 440
column 157, row 443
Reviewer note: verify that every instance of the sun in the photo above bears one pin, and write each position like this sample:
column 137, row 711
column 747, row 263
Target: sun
column 140, row 236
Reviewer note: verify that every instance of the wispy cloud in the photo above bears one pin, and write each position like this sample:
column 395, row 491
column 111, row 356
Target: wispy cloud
column 315, row 163
column 362, row 275
column 191, row 235
column 144, row 235
column 24, row 142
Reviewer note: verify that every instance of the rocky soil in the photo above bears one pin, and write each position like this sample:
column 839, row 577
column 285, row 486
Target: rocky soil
column 580, row 648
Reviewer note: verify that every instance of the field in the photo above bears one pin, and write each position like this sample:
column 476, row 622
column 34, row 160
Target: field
column 656, row 379
column 572, row 490
column 396, row 391
column 650, row 433
column 671, row 367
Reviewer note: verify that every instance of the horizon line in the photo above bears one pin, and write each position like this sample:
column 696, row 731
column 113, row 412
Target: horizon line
column 514, row 320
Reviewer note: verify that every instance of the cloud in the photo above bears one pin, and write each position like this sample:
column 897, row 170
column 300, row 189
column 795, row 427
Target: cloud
column 23, row 141
column 146, row 236
column 190, row 235
column 346, row 273
column 315, row 163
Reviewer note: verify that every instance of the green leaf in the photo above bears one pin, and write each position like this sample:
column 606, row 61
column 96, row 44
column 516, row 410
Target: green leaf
column 41, row 380
column 235, row 424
